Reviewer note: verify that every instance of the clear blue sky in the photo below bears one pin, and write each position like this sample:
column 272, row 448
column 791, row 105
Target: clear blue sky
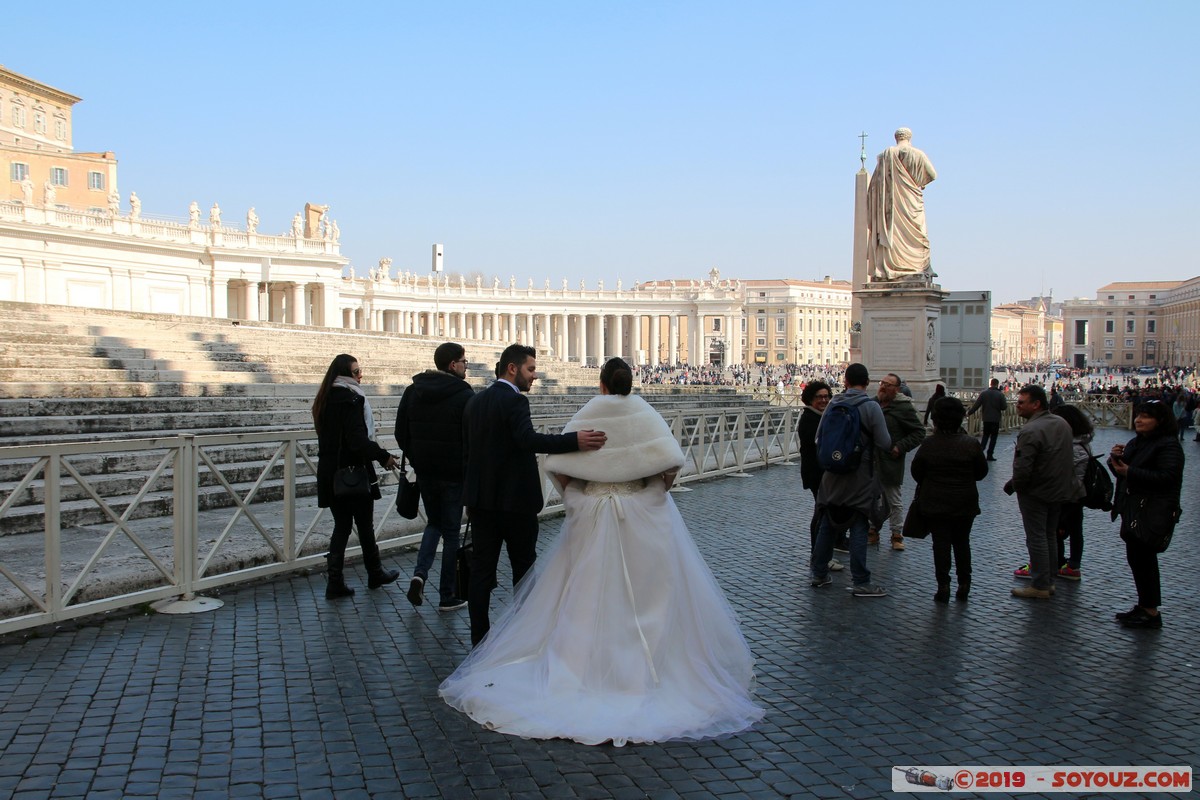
column 653, row 140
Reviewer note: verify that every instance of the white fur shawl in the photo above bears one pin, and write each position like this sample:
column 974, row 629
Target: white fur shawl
column 640, row 442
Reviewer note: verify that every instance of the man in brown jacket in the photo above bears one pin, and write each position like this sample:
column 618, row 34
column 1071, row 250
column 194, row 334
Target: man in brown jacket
column 1044, row 479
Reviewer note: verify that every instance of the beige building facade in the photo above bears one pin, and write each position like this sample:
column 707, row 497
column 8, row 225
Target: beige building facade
column 1135, row 323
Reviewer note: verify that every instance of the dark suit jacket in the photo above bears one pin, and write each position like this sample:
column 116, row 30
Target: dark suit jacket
column 500, row 445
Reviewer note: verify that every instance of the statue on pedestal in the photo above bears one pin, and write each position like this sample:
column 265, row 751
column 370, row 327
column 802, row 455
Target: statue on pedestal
column 194, row 215
column 898, row 244
column 297, row 226
column 214, row 216
column 114, row 204
column 49, row 195
column 251, row 221
column 135, row 206
column 336, row 236
column 27, row 191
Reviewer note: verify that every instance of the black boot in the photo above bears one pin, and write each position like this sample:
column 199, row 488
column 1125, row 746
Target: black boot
column 964, row 588
column 336, row 588
column 382, row 577
column 376, row 575
column 943, row 593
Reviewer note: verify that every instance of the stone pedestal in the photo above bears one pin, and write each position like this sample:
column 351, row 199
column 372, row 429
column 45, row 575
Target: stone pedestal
column 901, row 333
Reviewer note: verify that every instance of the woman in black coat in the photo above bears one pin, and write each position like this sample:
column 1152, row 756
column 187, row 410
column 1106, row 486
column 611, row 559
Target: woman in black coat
column 815, row 397
column 346, row 438
column 946, row 468
column 1148, row 468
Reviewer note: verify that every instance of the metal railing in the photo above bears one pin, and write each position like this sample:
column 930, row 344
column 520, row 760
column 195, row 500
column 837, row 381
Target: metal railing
column 199, row 538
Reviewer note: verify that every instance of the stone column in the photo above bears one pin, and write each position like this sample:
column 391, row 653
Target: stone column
column 250, row 300
column 618, row 348
column 583, row 339
column 635, row 338
column 296, row 305
column 654, row 340
column 673, row 354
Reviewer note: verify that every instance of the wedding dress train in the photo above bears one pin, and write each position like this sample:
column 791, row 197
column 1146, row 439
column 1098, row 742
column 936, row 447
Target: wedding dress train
column 620, row 633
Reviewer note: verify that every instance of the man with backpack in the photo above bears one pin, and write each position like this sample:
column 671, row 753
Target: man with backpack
column 851, row 427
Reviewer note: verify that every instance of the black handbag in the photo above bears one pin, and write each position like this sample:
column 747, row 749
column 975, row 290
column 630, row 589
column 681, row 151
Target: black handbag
column 1151, row 520
column 462, row 563
column 914, row 521
column 409, row 495
column 351, row 482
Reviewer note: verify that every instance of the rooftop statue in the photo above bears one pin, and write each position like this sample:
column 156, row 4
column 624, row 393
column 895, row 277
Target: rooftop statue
column 898, row 244
column 251, row 221
column 135, row 206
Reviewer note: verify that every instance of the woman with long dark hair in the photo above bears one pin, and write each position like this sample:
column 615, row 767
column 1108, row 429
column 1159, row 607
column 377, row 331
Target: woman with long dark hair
column 1149, row 470
column 620, row 632
column 345, row 428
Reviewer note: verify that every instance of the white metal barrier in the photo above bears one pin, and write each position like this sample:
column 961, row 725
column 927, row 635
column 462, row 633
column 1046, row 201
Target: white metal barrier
column 184, row 536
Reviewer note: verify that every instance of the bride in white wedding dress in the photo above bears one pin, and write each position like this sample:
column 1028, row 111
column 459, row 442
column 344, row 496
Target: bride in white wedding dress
column 620, row 632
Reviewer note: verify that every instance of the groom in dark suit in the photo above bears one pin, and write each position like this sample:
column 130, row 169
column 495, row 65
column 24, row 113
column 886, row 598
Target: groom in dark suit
column 502, row 491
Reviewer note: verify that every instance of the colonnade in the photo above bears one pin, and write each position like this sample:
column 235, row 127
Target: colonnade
column 653, row 337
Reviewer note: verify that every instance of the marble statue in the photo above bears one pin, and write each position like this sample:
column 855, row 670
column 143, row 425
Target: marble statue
column 564, row 284
column 337, row 232
column 49, row 195
column 599, row 286
column 135, row 206
column 385, row 267
column 495, row 283
column 547, row 284
column 478, row 282
column 194, row 215
column 214, row 216
column 251, row 221
column 582, row 285
column 531, row 284
column 618, row 284
column 27, row 191
column 512, row 281
column 898, row 244
column 114, row 204
column 297, row 225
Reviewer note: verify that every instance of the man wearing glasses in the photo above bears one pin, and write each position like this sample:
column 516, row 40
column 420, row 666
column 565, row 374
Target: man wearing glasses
column 907, row 433
column 429, row 431
column 1043, row 477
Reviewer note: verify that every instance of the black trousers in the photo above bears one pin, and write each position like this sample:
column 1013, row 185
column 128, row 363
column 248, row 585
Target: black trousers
column 491, row 530
column 1143, row 562
column 358, row 512
column 951, row 534
column 991, row 431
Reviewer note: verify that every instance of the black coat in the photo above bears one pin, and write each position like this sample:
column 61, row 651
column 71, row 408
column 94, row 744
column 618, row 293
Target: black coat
column 342, row 441
column 1155, row 471
column 810, row 469
column 946, row 468
column 500, row 445
column 429, row 425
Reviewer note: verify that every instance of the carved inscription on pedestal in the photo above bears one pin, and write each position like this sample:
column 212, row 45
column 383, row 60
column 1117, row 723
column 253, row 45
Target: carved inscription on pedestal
column 892, row 344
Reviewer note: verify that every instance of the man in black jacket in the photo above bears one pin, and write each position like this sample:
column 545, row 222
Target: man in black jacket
column 993, row 403
column 503, row 491
column 429, row 431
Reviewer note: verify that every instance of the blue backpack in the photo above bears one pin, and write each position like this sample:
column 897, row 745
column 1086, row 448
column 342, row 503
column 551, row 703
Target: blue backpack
column 839, row 438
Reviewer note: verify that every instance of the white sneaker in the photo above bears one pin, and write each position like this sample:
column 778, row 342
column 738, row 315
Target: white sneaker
column 835, row 566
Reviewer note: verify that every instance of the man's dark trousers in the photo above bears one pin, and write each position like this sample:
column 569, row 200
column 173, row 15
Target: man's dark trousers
column 517, row 531
column 991, row 432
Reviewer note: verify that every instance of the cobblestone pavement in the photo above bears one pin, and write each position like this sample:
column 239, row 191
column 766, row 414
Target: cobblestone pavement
column 281, row 694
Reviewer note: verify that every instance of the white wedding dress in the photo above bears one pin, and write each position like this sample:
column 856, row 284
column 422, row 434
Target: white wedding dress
column 620, row 633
